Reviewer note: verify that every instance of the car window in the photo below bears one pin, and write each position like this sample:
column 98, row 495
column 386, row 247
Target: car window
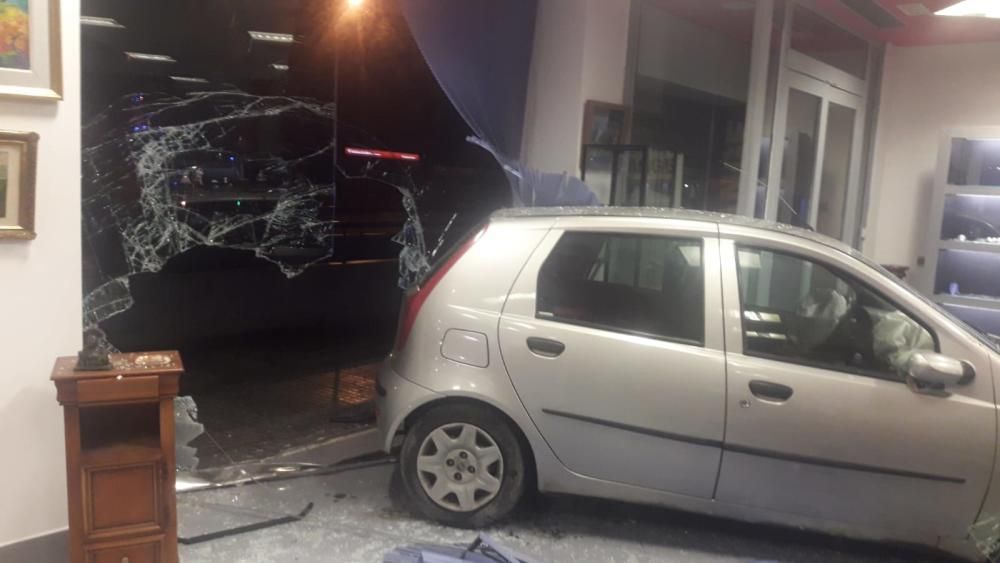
column 646, row 285
column 799, row 310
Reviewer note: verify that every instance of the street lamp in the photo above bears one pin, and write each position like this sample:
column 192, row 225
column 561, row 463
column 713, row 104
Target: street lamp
column 352, row 6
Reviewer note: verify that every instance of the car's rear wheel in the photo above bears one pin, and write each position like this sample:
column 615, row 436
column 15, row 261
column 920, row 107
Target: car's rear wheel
column 462, row 465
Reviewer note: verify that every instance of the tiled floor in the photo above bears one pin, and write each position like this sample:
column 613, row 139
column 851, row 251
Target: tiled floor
column 356, row 519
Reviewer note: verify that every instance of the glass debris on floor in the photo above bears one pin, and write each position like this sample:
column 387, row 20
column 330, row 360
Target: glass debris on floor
column 255, row 473
column 266, row 478
column 986, row 534
column 358, row 517
column 190, row 478
column 484, row 549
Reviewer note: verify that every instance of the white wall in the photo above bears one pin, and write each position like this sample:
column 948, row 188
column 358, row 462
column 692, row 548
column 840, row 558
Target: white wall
column 924, row 91
column 579, row 54
column 40, row 308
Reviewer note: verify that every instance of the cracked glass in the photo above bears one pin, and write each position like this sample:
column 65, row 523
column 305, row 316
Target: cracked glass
column 261, row 179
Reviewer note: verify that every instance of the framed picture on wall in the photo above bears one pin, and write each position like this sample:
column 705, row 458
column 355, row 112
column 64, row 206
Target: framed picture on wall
column 30, row 51
column 18, row 161
column 604, row 123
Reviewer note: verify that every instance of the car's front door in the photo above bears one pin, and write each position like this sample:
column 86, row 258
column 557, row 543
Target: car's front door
column 606, row 339
column 820, row 420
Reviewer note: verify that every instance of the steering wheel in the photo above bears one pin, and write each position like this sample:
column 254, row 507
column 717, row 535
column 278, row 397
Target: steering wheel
column 852, row 340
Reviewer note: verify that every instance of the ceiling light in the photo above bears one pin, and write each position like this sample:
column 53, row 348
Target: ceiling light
column 973, row 8
column 268, row 37
column 355, row 4
column 149, row 57
column 279, row 67
column 190, row 79
column 100, row 22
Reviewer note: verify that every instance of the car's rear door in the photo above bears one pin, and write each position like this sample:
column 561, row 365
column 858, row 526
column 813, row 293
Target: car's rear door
column 612, row 336
column 820, row 421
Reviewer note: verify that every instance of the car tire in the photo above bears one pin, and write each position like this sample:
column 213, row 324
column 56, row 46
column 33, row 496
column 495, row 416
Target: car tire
column 491, row 499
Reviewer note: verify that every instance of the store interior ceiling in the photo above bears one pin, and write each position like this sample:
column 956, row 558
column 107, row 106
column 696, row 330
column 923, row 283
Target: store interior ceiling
column 909, row 23
column 905, row 23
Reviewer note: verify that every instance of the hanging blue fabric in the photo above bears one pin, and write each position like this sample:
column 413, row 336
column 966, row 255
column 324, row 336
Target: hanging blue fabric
column 480, row 53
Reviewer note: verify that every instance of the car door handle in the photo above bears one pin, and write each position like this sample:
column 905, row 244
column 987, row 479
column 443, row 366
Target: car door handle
column 545, row 346
column 770, row 391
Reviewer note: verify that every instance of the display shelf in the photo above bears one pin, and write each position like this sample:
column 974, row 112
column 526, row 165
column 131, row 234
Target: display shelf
column 968, row 272
column 961, row 266
column 976, row 301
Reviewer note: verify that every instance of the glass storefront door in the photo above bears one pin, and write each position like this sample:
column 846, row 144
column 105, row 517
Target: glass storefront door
column 818, row 169
column 815, row 151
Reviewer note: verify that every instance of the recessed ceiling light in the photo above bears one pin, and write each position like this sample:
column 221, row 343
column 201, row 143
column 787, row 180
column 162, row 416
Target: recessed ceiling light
column 914, row 9
column 192, row 79
column 279, row 67
column 973, row 8
column 100, row 22
column 269, row 37
column 153, row 58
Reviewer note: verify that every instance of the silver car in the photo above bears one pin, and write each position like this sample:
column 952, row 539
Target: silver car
column 706, row 362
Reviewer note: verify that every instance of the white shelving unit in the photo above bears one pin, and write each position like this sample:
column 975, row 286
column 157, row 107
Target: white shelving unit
column 962, row 252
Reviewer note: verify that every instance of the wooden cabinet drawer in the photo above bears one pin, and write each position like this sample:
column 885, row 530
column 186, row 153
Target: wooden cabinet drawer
column 134, row 553
column 122, row 500
column 114, row 389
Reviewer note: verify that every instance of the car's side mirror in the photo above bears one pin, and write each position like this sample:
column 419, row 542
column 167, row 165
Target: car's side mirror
column 931, row 373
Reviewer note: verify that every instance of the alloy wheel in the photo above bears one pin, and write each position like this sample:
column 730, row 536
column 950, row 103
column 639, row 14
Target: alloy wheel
column 460, row 467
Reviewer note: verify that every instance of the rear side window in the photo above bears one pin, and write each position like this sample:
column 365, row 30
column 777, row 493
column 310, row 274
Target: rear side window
column 647, row 285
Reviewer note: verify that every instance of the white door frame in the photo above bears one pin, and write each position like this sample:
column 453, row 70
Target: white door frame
column 830, row 84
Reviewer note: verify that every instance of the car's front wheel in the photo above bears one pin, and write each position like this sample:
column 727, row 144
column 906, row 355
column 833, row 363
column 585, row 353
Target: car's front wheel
column 462, row 465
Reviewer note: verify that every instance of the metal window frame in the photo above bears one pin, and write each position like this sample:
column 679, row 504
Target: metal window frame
column 797, row 70
column 829, row 95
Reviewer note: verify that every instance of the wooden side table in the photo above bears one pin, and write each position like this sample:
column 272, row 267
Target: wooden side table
column 120, row 457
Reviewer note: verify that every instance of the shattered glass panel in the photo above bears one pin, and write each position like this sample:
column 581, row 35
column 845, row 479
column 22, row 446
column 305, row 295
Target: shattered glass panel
column 160, row 172
column 260, row 178
column 186, row 429
column 226, row 127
